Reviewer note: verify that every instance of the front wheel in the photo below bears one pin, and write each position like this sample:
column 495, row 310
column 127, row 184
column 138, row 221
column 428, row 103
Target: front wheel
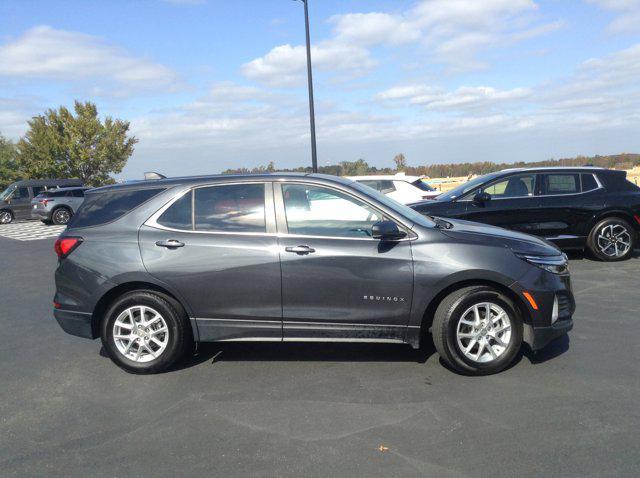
column 145, row 332
column 612, row 239
column 477, row 330
column 5, row 217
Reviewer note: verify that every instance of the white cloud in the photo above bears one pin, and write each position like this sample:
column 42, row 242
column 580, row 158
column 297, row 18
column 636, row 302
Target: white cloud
column 374, row 28
column 463, row 99
column 452, row 32
column 285, row 65
column 14, row 114
column 629, row 10
column 45, row 52
column 402, row 92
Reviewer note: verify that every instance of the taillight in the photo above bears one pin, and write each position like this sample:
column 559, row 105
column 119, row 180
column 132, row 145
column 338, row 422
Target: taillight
column 45, row 201
column 637, row 218
column 66, row 245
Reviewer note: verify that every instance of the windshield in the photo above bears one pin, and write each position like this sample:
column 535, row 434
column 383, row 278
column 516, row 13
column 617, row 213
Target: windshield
column 420, row 184
column 6, row 193
column 401, row 209
column 466, row 187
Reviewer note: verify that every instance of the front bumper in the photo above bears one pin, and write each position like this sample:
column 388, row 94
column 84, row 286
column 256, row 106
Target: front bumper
column 75, row 323
column 541, row 324
column 539, row 337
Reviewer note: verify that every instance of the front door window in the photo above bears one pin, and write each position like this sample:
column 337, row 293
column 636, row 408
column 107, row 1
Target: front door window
column 521, row 185
column 319, row 211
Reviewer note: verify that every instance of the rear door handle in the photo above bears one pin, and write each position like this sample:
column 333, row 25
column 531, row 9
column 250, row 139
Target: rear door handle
column 300, row 250
column 170, row 244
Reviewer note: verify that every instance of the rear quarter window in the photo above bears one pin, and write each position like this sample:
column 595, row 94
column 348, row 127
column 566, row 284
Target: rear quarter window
column 103, row 207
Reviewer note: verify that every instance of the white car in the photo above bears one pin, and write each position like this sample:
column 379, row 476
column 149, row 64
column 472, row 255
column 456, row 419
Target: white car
column 404, row 189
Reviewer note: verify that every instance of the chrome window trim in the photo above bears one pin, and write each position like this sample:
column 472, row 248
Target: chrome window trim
column 276, row 196
column 153, row 220
column 600, row 186
column 282, row 221
column 467, row 197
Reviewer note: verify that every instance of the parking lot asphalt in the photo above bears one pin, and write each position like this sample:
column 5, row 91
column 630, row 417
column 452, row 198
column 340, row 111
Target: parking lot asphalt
column 316, row 409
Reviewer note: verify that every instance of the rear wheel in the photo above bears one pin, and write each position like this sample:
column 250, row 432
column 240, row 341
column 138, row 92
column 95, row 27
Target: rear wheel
column 61, row 216
column 477, row 330
column 5, row 217
column 145, row 332
column 612, row 239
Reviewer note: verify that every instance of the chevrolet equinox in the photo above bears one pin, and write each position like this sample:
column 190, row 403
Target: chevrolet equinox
column 153, row 267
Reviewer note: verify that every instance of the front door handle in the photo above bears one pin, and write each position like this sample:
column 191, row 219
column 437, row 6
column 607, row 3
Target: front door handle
column 170, row 244
column 300, row 250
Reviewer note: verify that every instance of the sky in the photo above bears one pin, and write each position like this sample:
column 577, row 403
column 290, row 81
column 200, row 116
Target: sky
column 214, row 84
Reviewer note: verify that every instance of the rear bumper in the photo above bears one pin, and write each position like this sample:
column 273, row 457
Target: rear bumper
column 41, row 214
column 75, row 323
column 539, row 337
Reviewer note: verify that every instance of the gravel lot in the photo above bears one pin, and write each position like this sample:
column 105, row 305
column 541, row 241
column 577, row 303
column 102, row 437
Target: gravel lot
column 314, row 409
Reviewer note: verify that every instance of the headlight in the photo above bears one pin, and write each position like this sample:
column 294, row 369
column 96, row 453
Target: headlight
column 554, row 264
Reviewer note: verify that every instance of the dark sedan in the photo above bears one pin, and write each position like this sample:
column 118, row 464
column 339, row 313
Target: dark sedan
column 576, row 208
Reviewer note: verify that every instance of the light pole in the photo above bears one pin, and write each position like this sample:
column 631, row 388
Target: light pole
column 312, row 115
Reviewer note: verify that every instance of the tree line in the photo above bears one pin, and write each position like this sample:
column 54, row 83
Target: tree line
column 361, row 168
column 78, row 144
column 65, row 144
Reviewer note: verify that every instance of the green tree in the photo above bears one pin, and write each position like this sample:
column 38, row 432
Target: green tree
column 61, row 144
column 401, row 162
column 9, row 170
column 354, row 168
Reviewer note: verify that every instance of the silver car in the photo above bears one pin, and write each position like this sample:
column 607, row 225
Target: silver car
column 57, row 205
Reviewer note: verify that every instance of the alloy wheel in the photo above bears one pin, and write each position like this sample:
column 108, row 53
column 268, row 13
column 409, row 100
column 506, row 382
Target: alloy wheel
column 140, row 334
column 614, row 240
column 484, row 332
column 5, row 217
column 61, row 216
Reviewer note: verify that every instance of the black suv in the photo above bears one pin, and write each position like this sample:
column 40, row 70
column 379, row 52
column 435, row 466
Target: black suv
column 573, row 207
column 154, row 266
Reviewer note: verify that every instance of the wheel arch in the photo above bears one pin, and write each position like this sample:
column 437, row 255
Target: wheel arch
column 427, row 318
column 61, row 206
column 614, row 213
column 9, row 210
column 136, row 285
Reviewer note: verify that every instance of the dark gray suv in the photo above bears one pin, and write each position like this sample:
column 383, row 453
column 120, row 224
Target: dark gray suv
column 153, row 267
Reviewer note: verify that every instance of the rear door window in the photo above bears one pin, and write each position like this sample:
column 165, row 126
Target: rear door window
column 561, row 183
column 230, row 208
column 103, row 207
column 382, row 185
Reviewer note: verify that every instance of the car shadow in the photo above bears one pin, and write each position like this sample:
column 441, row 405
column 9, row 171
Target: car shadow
column 554, row 349
column 305, row 352
column 215, row 352
column 578, row 255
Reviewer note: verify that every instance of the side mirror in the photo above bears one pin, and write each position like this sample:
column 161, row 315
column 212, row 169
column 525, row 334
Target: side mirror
column 387, row 231
column 481, row 198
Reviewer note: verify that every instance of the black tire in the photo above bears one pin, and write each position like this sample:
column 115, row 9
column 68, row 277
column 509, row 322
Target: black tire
column 596, row 247
column 180, row 338
column 61, row 216
column 6, row 216
column 447, row 318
